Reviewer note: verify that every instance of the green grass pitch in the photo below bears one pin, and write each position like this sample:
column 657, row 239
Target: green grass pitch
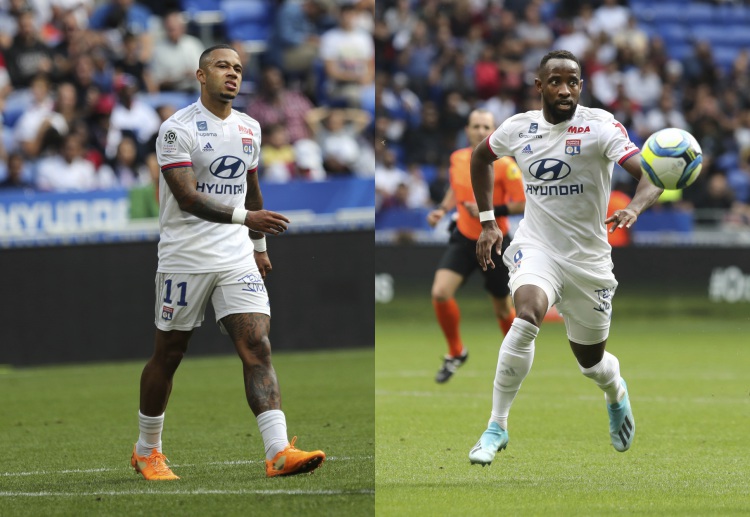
column 689, row 385
column 68, row 432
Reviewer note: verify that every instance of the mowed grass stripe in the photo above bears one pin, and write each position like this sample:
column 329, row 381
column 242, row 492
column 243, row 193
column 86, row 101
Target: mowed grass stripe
column 188, row 465
column 187, row 492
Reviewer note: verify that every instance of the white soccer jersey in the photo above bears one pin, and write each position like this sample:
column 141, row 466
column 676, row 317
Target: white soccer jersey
column 567, row 175
column 222, row 153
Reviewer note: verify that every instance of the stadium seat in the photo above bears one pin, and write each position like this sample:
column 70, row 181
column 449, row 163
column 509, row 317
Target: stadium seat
column 206, row 14
column 249, row 21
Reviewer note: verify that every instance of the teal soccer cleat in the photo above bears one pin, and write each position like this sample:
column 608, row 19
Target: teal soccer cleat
column 492, row 441
column 621, row 422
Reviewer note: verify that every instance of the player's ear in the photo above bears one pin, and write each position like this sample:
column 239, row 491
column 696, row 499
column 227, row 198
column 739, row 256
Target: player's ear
column 538, row 84
column 201, row 76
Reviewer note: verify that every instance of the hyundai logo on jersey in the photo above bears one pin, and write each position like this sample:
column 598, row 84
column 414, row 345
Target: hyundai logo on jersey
column 202, row 125
column 549, row 169
column 228, row 167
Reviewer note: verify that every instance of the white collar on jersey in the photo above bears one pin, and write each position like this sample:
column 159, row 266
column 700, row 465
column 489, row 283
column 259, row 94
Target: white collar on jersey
column 210, row 115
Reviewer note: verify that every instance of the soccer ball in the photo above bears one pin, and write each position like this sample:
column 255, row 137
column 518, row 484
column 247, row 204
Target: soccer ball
column 671, row 158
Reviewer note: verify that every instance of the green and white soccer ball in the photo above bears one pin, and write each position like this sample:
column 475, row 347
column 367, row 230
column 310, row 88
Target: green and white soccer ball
column 671, row 158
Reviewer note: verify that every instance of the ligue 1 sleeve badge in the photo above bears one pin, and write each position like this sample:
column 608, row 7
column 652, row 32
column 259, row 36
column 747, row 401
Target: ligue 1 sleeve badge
column 572, row 147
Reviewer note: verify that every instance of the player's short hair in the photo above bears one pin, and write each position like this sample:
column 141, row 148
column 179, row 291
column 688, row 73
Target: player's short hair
column 480, row 111
column 558, row 54
column 203, row 61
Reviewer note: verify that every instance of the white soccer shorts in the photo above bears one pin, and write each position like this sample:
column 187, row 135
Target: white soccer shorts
column 583, row 297
column 181, row 298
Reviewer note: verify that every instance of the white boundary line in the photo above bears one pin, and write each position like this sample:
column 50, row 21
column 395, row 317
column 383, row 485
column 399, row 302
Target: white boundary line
column 189, row 492
column 185, row 465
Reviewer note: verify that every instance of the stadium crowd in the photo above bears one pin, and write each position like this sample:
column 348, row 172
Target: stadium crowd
column 436, row 60
column 85, row 85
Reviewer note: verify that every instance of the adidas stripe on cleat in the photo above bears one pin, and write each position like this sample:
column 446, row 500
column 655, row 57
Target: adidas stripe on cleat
column 492, row 441
column 621, row 422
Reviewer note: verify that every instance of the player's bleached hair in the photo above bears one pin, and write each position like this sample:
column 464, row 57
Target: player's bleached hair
column 206, row 55
column 558, row 54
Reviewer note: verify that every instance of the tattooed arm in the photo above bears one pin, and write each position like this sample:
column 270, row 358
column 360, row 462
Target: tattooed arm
column 253, row 199
column 182, row 183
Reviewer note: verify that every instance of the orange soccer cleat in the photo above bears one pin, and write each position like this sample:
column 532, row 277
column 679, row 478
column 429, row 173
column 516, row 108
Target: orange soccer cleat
column 292, row 461
column 153, row 467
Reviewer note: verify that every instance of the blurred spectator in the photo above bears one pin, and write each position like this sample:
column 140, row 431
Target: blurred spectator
column 439, row 185
column 130, row 115
column 277, row 155
column 419, row 191
column 400, row 20
column 295, row 38
column 632, row 38
column 175, row 57
column 126, row 170
column 68, row 171
column 308, row 160
column 348, row 57
column 663, row 115
column 337, row 132
column 28, row 56
column 32, row 130
column 427, row 143
column 16, row 173
column 388, row 176
column 643, row 84
column 275, row 104
column 611, row 18
column 116, row 18
column 400, row 103
column 130, row 63
column 536, row 36
column 700, row 68
column 487, row 74
column 74, row 42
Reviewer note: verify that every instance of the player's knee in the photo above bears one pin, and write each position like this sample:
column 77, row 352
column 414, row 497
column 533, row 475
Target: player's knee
column 441, row 294
column 529, row 315
column 259, row 349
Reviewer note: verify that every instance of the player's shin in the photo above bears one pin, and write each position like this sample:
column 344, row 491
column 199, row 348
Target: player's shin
column 606, row 375
column 514, row 363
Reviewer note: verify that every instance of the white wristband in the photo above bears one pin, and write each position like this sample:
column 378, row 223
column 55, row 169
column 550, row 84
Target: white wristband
column 238, row 216
column 487, row 215
column 259, row 245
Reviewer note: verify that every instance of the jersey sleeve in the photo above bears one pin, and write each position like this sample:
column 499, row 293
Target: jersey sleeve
column 499, row 141
column 173, row 146
column 255, row 161
column 616, row 142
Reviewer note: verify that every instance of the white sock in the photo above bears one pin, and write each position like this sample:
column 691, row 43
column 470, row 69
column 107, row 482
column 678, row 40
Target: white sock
column 150, row 437
column 606, row 375
column 513, row 364
column 272, row 425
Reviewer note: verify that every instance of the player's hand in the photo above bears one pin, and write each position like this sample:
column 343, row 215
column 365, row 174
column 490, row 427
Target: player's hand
column 434, row 216
column 263, row 262
column 265, row 221
column 621, row 218
column 491, row 237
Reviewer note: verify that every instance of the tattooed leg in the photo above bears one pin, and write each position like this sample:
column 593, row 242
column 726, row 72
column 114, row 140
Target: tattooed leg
column 249, row 332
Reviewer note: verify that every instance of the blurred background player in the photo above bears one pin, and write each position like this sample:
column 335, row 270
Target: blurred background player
column 459, row 260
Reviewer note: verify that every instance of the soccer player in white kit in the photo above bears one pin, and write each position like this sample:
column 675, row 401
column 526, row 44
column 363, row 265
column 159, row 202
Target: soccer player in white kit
column 209, row 196
column 559, row 254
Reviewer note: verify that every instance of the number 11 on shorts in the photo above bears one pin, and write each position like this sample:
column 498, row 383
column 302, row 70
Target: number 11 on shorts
column 182, row 286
